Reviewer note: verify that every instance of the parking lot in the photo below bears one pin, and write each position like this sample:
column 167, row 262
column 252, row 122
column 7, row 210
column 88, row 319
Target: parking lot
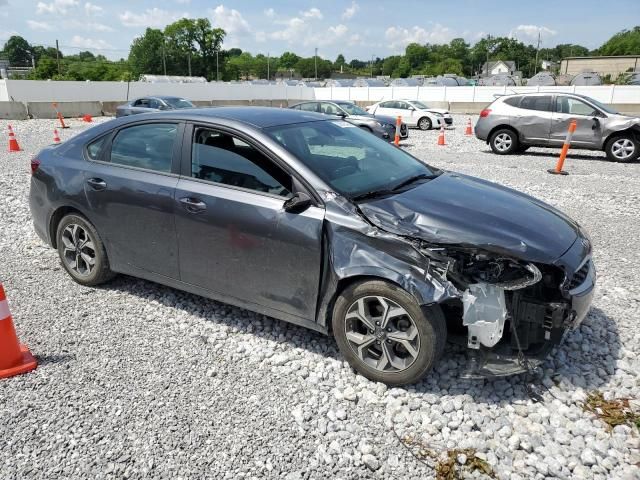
column 139, row 380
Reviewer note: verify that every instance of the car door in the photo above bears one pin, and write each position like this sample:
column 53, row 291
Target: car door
column 386, row 108
column 588, row 132
column 142, row 105
column 234, row 236
column 532, row 119
column 129, row 188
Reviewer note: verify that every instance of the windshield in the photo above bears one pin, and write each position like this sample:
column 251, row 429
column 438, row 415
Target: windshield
column 421, row 105
column 178, row 102
column 602, row 107
column 351, row 161
column 352, row 109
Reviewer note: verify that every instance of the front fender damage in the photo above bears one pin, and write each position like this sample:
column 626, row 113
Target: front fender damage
column 485, row 284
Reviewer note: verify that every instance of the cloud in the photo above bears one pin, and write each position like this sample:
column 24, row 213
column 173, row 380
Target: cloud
column 96, row 44
column 91, row 9
column 312, row 13
column 44, row 26
column 356, row 39
column 231, row 20
column 400, row 37
column 338, row 30
column 152, row 17
column 531, row 31
column 60, row 7
column 87, row 26
column 294, row 31
column 269, row 13
column 184, row 2
column 350, row 11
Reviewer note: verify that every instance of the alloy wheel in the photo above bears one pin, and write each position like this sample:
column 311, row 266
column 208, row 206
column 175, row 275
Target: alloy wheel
column 425, row 124
column 79, row 251
column 382, row 334
column 503, row 142
column 623, row 148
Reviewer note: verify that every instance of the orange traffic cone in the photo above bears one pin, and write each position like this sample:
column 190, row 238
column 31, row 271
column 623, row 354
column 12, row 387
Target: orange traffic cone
column 56, row 137
column 441, row 136
column 61, row 118
column 13, row 143
column 469, row 130
column 87, row 118
column 14, row 358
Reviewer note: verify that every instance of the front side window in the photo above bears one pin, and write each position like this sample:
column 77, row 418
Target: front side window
column 153, row 103
column 387, row 105
column 541, row 103
column 352, row 109
column 421, row 105
column 223, row 158
column 351, row 161
column 147, row 146
column 178, row 102
column 143, row 102
column 329, row 109
column 573, row 106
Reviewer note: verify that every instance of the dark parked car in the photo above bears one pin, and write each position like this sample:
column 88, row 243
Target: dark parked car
column 152, row 104
column 381, row 126
column 311, row 220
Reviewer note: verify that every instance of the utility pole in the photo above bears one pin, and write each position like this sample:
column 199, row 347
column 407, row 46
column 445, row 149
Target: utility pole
column 189, row 60
column 217, row 67
column 535, row 70
column 164, row 60
column 58, row 56
column 268, row 58
column 315, row 62
column 371, row 64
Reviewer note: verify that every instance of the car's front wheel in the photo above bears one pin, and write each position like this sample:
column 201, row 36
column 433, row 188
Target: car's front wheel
column 504, row 141
column 385, row 335
column 81, row 251
column 424, row 123
column 622, row 148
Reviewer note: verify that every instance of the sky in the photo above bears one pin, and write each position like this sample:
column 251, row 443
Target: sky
column 355, row 28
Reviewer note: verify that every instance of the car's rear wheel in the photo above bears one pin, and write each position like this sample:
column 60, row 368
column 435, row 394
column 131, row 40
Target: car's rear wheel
column 504, row 141
column 424, row 123
column 622, row 148
column 385, row 335
column 81, row 251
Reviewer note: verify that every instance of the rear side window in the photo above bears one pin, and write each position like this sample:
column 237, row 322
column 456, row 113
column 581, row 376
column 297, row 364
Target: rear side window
column 309, row 107
column 94, row 149
column 513, row 101
column 147, row 146
column 541, row 103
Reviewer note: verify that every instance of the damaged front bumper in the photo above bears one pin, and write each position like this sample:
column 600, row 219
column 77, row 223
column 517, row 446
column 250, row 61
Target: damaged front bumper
column 539, row 326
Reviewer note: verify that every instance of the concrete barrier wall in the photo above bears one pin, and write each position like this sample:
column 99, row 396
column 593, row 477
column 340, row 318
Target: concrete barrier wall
column 13, row 111
column 67, row 109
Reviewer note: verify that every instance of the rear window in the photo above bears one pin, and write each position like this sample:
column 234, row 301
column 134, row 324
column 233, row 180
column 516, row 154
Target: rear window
column 541, row 103
column 513, row 101
column 94, row 149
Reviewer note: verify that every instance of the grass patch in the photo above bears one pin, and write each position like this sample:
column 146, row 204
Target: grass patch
column 612, row 412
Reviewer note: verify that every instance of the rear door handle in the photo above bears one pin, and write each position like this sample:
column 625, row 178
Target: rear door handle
column 193, row 205
column 97, row 184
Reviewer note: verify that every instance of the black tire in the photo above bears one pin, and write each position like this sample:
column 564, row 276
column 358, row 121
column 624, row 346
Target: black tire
column 425, row 123
column 523, row 148
column 504, row 141
column 428, row 321
column 100, row 271
column 622, row 148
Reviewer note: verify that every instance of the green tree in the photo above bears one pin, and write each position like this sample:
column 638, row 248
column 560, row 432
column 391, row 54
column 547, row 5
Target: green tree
column 626, row 42
column 18, row 51
column 416, row 55
column 340, row 62
column 145, row 55
column 243, row 63
column 288, row 60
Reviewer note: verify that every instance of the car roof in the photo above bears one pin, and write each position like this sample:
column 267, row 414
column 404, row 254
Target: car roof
column 259, row 117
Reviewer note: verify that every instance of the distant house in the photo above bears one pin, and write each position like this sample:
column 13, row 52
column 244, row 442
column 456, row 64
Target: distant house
column 604, row 65
column 548, row 65
column 498, row 67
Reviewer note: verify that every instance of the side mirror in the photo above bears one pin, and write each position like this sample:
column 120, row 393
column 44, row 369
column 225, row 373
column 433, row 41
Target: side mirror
column 341, row 114
column 298, row 203
column 596, row 123
column 412, row 109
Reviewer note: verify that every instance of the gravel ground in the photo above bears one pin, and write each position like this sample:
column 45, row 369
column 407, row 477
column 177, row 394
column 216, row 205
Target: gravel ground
column 141, row 381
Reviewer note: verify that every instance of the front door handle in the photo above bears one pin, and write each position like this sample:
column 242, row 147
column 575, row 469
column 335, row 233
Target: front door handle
column 97, row 184
column 193, row 205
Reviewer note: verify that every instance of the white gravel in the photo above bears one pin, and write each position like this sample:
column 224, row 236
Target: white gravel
column 141, row 381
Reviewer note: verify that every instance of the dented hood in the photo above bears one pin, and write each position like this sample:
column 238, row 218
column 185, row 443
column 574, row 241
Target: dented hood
column 463, row 210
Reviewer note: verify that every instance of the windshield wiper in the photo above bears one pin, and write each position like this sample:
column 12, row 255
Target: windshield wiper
column 410, row 180
column 373, row 194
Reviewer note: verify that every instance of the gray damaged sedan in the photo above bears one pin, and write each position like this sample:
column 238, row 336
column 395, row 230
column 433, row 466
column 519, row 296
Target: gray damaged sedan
column 152, row 104
column 513, row 123
column 313, row 221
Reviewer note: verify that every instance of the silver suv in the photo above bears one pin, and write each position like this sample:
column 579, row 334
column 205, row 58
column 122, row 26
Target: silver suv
column 513, row 123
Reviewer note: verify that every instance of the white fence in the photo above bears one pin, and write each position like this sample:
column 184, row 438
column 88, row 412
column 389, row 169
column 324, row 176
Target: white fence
column 606, row 93
column 62, row 91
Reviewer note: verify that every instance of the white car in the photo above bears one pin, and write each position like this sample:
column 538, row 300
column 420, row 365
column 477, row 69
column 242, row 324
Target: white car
column 414, row 113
